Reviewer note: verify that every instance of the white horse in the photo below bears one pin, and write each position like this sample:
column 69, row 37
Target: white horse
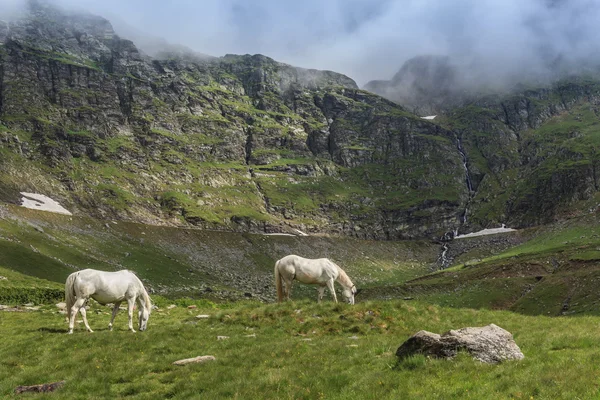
column 106, row 287
column 321, row 271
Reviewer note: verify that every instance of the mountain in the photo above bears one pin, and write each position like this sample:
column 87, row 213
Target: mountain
column 427, row 85
column 245, row 143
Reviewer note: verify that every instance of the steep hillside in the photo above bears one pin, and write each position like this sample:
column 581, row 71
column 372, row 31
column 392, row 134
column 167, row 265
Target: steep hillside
column 244, row 143
column 532, row 158
column 239, row 142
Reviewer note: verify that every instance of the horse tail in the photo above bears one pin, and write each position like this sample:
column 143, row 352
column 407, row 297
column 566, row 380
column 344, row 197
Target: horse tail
column 278, row 282
column 70, row 292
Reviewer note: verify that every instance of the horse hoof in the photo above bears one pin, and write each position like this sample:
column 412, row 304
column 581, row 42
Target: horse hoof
column 70, row 333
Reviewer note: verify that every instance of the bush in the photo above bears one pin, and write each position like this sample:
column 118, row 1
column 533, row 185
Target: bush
column 23, row 295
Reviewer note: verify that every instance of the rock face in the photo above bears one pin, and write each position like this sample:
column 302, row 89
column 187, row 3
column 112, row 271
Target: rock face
column 238, row 142
column 489, row 344
column 245, row 143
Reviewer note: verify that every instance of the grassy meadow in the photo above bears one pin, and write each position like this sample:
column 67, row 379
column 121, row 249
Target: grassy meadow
column 295, row 350
column 299, row 349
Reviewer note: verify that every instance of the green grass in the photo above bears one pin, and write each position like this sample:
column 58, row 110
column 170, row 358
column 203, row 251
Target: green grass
column 268, row 355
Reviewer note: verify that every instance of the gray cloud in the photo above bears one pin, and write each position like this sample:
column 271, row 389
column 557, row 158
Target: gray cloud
column 371, row 39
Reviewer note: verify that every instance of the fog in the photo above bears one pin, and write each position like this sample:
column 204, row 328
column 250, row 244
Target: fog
column 371, row 39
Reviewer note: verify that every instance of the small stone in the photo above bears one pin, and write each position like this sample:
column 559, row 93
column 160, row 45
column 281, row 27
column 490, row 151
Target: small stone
column 43, row 388
column 222, row 337
column 172, row 306
column 61, row 306
column 29, row 305
column 3, row 278
column 353, row 337
column 195, row 360
column 202, row 316
column 192, row 307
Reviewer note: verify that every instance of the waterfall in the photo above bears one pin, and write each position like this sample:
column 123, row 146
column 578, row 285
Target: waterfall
column 464, row 158
column 468, row 181
column 443, row 260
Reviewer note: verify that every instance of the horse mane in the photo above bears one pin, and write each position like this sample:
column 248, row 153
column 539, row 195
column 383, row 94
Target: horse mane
column 145, row 295
column 147, row 300
column 344, row 279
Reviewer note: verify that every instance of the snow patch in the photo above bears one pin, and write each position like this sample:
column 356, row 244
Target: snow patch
column 40, row 202
column 492, row 231
column 298, row 233
column 430, row 117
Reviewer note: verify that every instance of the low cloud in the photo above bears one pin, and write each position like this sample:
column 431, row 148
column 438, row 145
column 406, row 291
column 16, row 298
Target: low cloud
column 371, row 39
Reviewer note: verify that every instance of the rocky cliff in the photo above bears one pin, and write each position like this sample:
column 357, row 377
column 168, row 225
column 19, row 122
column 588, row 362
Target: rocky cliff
column 247, row 143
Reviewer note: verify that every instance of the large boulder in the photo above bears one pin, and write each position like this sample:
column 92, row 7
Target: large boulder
column 489, row 344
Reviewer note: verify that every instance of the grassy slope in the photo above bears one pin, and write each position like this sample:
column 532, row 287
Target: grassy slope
column 280, row 363
column 179, row 262
column 556, row 272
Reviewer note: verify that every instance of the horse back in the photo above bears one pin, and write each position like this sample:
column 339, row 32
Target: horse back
column 306, row 270
column 107, row 287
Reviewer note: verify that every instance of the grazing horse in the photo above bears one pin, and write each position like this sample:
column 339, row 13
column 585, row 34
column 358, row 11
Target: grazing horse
column 106, row 287
column 321, row 271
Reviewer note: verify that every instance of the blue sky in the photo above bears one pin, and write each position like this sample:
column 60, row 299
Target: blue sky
column 370, row 39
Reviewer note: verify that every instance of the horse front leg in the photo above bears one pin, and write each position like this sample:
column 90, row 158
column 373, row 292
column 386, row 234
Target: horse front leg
column 321, row 290
column 114, row 314
column 83, row 312
column 76, row 307
column 130, row 304
column 332, row 289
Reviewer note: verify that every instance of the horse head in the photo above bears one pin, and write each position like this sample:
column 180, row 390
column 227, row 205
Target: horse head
column 143, row 315
column 349, row 294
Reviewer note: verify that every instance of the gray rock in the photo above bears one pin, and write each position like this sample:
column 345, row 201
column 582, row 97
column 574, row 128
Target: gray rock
column 489, row 344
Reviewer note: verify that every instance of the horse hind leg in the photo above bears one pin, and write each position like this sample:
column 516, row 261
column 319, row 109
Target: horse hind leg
column 288, row 289
column 76, row 307
column 83, row 312
column 130, row 304
column 321, row 290
column 114, row 314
